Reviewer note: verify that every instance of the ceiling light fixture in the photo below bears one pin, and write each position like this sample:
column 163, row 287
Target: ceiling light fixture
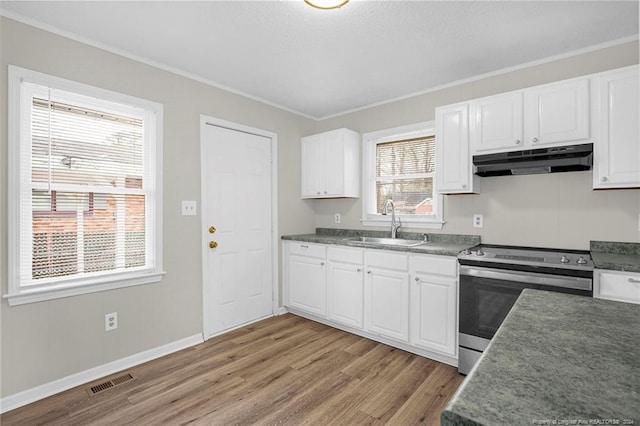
column 326, row 4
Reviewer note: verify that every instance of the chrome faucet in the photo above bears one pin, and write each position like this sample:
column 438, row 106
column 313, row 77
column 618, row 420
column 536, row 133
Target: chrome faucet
column 395, row 224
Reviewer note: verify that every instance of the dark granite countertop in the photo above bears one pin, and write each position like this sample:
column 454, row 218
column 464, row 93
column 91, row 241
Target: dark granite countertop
column 556, row 357
column 439, row 244
column 616, row 256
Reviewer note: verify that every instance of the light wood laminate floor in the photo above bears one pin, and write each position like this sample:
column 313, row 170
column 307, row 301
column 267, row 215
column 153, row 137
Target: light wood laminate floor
column 284, row 370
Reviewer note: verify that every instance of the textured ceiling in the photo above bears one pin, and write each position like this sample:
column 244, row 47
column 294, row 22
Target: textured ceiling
column 323, row 63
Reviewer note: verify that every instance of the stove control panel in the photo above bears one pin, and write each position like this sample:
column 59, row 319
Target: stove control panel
column 529, row 256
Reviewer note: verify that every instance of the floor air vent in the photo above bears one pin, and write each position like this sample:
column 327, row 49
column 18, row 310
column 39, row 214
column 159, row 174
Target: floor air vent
column 110, row 383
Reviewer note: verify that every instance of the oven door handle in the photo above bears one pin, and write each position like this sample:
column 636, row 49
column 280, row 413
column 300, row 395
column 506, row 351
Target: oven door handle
column 577, row 283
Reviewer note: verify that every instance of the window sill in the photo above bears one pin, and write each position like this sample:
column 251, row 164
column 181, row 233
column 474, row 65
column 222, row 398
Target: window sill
column 406, row 223
column 59, row 291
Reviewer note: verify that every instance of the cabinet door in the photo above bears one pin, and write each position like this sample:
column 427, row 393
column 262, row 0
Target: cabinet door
column 312, row 154
column 333, row 170
column 616, row 128
column 433, row 313
column 308, row 284
column 387, row 303
column 496, row 123
column 453, row 162
column 330, row 164
column 346, row 293
column 557, row 113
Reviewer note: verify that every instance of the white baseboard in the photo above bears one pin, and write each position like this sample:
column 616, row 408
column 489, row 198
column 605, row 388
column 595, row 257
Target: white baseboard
column 39, row 392
column 282, row 311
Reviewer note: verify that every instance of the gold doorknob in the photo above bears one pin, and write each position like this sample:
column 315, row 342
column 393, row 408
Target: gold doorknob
column 212, row 229
column 213, row 244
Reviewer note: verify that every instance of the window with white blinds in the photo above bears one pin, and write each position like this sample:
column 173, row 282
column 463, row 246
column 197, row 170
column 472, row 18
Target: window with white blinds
column 86, row 184
column 399, row 164
column 404, row 174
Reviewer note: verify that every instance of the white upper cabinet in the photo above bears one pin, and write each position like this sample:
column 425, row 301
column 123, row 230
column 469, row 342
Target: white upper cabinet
column 453, row 162
column 553, row 114
column 330, row 165
column 496, row 122
column 557, row 114
column 311, row 171
column 616, row 129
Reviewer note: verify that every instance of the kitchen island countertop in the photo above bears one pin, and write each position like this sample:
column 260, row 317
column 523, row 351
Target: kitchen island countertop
column 556, row 359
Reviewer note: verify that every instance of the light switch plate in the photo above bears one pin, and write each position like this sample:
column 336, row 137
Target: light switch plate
column 477, row 220
column 188, row 208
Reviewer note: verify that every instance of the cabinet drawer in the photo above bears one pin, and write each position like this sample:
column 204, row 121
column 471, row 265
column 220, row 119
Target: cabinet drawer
column 346, row 255
column 307, row 249
column 387, row 260
column 620, row 287
column 438, row 265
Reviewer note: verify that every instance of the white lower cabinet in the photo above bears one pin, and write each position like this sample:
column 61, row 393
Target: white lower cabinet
column 405, row 300
column 307, row 278
column 616, row 285
column 346, row 286
column 386, row 295
column 434, row 303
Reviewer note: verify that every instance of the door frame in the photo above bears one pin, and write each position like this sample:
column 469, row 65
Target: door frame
column 208, row 121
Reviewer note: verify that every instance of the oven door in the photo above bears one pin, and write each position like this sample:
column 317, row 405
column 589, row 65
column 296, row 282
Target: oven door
column 488, row 294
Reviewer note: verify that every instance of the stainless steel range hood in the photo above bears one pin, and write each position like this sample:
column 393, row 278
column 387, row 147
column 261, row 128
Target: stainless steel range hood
column 533, row 161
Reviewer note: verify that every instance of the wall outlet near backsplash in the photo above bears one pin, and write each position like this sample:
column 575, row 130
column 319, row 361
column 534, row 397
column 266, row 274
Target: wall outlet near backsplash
column 477, row 220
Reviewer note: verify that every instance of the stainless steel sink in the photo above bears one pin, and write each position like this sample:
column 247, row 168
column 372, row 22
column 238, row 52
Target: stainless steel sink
column 385, row 241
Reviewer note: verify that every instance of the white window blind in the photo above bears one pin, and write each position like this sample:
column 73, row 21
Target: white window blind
column 79, row 153
column 404, row 174
column 399, row 164
column 87, row 189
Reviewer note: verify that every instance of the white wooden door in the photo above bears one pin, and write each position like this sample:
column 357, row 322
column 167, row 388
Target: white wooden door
column 617, row 153
column 312, row 155
column 387, row 303
column 308, row 284
column 433, row 310
column 452, row 149
column 237, row 202
column 496, row 123
column 334, row 163
column 346, row 293
column 557, row 113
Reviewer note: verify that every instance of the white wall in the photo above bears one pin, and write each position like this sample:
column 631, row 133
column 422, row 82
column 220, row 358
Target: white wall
column 557, row 210
column 45, row 341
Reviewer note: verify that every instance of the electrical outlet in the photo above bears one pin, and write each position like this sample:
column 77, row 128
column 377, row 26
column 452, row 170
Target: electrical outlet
column 477, row 221
column 337, row 218
column 638, row 222
column 111, row 321
column 188, row 208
